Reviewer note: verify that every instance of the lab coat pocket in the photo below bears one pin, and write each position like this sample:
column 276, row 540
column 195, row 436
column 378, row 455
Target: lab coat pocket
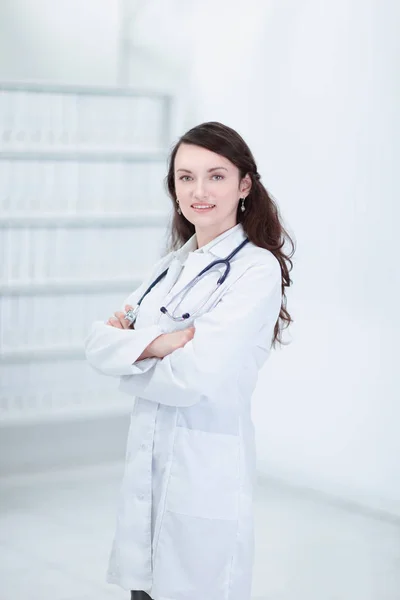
column 204, row 478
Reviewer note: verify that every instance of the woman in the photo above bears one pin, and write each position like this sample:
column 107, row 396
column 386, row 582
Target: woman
column 191, row 358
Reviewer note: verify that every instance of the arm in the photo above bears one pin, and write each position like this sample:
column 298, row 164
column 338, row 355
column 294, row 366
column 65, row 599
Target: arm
column 112, row 351
column 223, row 337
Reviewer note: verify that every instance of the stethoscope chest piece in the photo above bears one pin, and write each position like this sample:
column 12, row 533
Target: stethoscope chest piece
column 132, row 314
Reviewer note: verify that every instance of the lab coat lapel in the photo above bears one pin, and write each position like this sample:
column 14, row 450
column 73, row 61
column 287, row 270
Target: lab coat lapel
column 193, row 265
column 158, row 296
column 193, row 261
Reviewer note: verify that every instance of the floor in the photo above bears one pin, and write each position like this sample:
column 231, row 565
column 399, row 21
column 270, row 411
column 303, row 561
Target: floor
column 56, row 529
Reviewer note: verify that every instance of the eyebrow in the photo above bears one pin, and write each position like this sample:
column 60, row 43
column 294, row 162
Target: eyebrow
column 209, row 170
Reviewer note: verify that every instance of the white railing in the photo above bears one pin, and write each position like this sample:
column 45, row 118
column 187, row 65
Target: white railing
column 82, row 220
column 51, row 118
column 83, row 215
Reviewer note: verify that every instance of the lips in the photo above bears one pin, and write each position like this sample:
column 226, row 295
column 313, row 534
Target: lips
column 202, row 206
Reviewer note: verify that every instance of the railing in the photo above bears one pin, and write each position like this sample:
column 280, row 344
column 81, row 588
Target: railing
column 83, row 217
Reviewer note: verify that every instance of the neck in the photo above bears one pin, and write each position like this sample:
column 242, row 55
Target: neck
column 204, row 237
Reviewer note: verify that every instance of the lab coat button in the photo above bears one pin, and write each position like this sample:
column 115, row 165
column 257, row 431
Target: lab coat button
column 143, row 447
column 140, row 496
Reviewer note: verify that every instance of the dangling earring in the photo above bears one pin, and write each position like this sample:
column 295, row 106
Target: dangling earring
column 179, row 208
column 242, row 206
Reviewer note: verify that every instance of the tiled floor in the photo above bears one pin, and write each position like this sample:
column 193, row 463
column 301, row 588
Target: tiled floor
column 56, row 529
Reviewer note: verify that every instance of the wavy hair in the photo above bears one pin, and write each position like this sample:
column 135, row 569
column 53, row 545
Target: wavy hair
column 261, row 220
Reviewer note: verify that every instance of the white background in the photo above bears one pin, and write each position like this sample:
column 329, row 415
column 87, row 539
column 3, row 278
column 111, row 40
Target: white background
column 314, row 88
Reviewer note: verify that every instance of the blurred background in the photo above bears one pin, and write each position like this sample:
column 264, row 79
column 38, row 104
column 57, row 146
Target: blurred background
column 92, row 97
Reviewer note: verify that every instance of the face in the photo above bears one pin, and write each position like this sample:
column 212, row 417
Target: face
column 206, row 179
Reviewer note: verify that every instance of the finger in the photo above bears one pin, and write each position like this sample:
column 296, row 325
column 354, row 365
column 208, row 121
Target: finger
column 121, row 317
column 116, row 323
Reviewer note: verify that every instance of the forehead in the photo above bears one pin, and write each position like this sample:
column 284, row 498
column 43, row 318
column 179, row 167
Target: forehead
column 194, row 157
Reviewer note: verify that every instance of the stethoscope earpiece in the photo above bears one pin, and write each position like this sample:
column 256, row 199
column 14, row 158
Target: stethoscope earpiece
column 182, row 318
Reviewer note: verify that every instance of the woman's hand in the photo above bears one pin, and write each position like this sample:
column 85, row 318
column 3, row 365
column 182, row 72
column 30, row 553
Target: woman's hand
column 160, row 347
column 119, row 321
column 167, row 343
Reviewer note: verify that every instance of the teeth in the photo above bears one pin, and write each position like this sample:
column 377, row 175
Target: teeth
column 203, row 206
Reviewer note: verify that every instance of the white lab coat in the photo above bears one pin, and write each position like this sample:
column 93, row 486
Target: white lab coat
column 185, row 518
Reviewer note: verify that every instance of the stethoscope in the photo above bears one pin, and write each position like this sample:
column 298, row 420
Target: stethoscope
column 132, row 314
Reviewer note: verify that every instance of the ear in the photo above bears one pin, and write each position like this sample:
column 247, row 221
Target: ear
column 245, row 184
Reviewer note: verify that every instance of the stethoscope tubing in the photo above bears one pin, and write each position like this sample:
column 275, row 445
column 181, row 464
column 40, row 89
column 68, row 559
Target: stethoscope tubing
column 225, row 261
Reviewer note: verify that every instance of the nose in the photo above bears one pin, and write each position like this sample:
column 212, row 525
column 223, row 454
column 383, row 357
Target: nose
column 200, row 192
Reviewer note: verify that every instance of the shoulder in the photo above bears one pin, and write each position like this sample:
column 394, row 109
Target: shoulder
column 260, row 260
column 256, row 275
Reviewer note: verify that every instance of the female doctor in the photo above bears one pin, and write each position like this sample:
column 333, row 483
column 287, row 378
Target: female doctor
column 188, row 345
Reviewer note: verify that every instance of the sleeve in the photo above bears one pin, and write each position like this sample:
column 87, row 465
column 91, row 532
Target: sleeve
column 223, row 336
column 113, row 351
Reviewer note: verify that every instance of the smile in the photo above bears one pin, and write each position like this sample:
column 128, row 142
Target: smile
column 203, row 206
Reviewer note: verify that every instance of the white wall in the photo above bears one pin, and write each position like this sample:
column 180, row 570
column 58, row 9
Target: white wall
column 313, row 87
column 65, row 41
column 76, row 42
column 331, row 158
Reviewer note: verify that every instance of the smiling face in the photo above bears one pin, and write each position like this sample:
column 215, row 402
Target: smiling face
column 208, row 188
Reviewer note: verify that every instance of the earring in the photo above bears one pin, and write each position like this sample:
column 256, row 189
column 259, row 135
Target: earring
column 179, row 208
column 242, row 206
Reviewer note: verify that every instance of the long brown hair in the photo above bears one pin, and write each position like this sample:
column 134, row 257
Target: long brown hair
column 261, row 220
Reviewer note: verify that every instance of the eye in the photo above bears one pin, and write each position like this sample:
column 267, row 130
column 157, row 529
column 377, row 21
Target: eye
column 220, row 176
column 185, row 177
